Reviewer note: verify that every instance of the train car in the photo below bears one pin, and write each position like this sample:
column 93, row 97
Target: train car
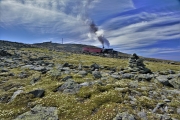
column 91, row 50
column 100, row 51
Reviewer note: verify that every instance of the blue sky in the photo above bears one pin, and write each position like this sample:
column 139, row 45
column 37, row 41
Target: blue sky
column 150, row 28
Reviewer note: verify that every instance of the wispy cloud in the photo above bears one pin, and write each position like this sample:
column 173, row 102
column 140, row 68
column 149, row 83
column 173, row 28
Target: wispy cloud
column 152, row 29
column 45, row 16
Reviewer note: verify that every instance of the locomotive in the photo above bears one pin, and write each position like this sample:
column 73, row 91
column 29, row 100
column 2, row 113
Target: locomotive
column 99, row 51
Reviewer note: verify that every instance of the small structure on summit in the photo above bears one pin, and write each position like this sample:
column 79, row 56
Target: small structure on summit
column 136, row 64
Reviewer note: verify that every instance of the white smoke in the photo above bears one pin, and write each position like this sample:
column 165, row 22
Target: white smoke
column 100, row 33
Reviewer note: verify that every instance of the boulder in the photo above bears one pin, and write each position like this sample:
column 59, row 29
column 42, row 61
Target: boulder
column 39, row 113
column 66, row 78
column 70, row 87
column 127, row 76
column 27, row 67
column 115, row 76
column 175, row 82
column 86, row 84
column 124, row 116
column 83, row 73
column 95, row 66
column 164, row 80
column 4, row 53
column 15, row 94
column 142, row 115
column 96, row 74
column 23, row 75
column 141, row 77
column 65, row 65
column 38, row 93
column 158, row 106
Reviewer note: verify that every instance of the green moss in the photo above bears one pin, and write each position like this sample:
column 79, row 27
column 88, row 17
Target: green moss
column 146, row 102
column 105, row 112
column 105, row 97
column 87, row 92
column 175, row 103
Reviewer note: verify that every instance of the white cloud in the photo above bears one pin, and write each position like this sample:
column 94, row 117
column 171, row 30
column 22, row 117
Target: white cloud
column 44, row 16
column 142, row 33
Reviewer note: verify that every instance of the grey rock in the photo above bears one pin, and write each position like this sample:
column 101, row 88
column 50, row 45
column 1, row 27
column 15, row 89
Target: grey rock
column 54, row 73
column 167, row 100
column 164, row 80
column 39, row 68
column 96, row 74
column 75, row 71
column 163, row 72
column 4, row 53
column 65, row 65
column 69, row 87
column 178, row 110
column 65, row 69
column 158, row 106
column 83, row 73
column 171, row 72
column 15, row 94
column 124, row 116
column 141, row 77
column 80, row 66
column 39, row 113
column 67, row 72
column 23, row 75
column 104, row 78
column 133, row 84
column 86, row 84
column 142, row 115
column 127, row 76
column 27, row 67
column 38, row 93
column 4, row 70
column 95, row 66
column 175, row 82
column 172, row 91
column 164, row 117
column 115, row 77
column 66, row 78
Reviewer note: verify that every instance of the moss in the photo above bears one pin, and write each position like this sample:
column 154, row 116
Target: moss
column 146, row 102
column 175, row 103
column 105, row 97
column 87, row 92
column 105, row 112
column 16, row 107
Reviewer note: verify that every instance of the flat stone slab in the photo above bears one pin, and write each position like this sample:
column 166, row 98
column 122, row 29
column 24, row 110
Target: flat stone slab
column 40, row 113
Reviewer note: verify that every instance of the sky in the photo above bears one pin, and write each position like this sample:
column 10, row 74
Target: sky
column 150, row 28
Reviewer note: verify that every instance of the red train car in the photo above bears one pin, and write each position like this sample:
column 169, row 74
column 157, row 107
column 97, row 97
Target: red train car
column 99, row 51
column 91, row 50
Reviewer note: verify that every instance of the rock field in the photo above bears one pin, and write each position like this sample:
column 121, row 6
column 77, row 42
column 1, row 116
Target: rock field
column 36, row 83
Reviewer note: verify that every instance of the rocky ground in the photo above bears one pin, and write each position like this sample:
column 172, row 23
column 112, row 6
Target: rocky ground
column 38, row 83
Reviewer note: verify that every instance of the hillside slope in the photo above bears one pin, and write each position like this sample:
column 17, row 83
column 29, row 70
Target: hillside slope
column 38, row 83
column 75, row 48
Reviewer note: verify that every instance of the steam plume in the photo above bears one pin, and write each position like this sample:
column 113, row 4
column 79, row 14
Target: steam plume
column 99, row 34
